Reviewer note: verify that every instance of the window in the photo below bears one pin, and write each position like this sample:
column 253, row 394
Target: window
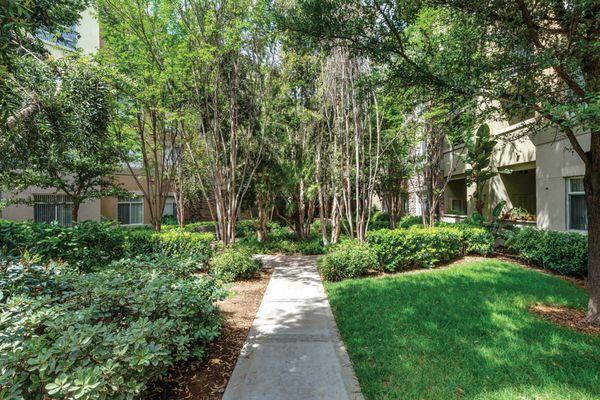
column 68, row 38
column 576, row 207
column 130, row 210
column 457, row 206
column 52, row 207
column 170, row 208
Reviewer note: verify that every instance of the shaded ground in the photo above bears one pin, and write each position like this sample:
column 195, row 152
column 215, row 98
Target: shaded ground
column 569, row 317
column 208, row 378
column 465, row 332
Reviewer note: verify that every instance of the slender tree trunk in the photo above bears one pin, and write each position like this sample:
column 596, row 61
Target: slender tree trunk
column 75, row 211
column 263, row 217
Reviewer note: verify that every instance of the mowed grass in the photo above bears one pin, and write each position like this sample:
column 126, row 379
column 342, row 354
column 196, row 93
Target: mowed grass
column 465, row 332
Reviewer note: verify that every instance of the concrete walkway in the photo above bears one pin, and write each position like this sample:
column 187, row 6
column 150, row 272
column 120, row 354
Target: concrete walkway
column 293, row 350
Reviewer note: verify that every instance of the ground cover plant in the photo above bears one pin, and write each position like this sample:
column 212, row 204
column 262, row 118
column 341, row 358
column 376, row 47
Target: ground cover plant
column 104, row 334
column 465, row 332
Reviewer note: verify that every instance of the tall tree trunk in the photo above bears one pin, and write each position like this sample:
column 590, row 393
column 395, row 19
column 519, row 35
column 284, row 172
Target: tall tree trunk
column 592, row 188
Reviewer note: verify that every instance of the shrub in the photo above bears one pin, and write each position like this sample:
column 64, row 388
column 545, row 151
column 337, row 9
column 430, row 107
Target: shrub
column 349, row 259
column 477, row 240
column 233, row 264
column 103, row 334
column 86, row 246
column 409, row 221
column 562, row 252
column 401, row 249
column 175, row 243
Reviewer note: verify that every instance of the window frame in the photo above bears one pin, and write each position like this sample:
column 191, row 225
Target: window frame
column 129, row 202
column 569, row 194
column 54, row 201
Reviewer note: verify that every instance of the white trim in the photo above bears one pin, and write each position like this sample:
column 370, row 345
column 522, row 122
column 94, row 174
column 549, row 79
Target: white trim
column 568, row 193
column 141, row 197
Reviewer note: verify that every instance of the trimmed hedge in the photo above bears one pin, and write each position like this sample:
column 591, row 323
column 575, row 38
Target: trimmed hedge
column 562, row 252
column 86, row 245
column 233, row 264
column 402, row 249
column 350, row 259
column 100, row 335
column 176, row 243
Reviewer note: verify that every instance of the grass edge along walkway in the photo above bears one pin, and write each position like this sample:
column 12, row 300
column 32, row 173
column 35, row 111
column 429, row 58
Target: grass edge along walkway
column 465, row 332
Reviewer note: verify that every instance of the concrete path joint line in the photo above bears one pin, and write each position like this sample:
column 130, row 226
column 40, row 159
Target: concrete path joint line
column 293, row 350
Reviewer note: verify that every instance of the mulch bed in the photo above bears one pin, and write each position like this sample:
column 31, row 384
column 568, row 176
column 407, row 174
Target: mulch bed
column 567, row 317
column 207, row 378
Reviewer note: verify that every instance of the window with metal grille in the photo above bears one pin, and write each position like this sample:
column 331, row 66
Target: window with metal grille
column 130, row 210
column 52, row 207
column 576, row 206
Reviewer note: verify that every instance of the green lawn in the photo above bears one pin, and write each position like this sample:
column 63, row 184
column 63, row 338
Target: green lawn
column 465, row 332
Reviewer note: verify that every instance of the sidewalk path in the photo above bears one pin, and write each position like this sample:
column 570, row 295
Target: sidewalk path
column 293, row 350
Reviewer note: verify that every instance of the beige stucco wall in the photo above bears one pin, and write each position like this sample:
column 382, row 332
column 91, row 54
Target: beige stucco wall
column 89, row 210
column 556, row 162
column 109, row 204
column 514, row 151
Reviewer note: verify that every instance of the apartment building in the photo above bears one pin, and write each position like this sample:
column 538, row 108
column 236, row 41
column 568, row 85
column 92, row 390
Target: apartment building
column 540, row 179
column 47, row 204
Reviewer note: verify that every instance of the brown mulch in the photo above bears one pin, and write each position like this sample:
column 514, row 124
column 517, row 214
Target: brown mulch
column 567, row 317
column 206, row 379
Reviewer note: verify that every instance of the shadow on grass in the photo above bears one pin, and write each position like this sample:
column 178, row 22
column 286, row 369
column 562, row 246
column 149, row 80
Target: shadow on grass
column 465, row 332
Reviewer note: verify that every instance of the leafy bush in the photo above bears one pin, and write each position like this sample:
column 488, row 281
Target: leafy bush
column 202, row 226
column 477, row 240
column 100, row 335
column 380, row 216
column 562, row 252
column 86, row 246
column 233, row 264
column 350, row 259
column 409, row 221
column 175, row 243
column 402, row 249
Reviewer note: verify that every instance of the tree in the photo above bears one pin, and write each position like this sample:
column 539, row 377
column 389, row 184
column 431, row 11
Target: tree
column 478, row 158
column 67, row 143
column 352, row 110
column 395, row 163
column 516, row 56
column 143, row 40
column 20, row 22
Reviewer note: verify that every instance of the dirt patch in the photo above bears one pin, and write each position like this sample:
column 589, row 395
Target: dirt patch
column 567, row 317
column 207, row 379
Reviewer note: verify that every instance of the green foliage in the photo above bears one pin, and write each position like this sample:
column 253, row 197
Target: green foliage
column 348, row 260
column 176, row 243
column 410, row 220
column 67, row 144
column 479, row 156
column 561, row 252
column 282, row 240
column 104, row 334
column 234, row 263
column 85, row 246
column 402, row 249
column 20, row 22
